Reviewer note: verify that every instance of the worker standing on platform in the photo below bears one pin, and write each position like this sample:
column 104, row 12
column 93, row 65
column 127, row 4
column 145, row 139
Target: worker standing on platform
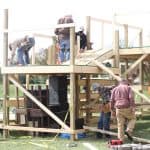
column 64, row 38
column 83, row 39
column 123, row 104
column 22, row 46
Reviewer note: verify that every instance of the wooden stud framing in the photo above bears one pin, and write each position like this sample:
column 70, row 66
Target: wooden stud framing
column 88, row 31
column 72, row 82
column 88, row 96
column 135, row 64
column 35, row 100
column 73, row 70
column 141, row 71
column 5, row 76
column 116, row 49
column 126, row 35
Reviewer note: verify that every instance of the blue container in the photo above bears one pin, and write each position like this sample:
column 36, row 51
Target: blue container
column 67, row 135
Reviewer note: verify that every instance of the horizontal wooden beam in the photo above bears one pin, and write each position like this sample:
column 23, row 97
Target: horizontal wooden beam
column 47, row 130
column 67, row 25
column 135, row 51
column 42, row 35
column 97, row 80
column 52, row 69
column 114, row 134
column 92, row 96
column 110, row 22
column 15, row 103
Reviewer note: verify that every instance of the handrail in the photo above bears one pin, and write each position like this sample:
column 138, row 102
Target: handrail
column 117, row 23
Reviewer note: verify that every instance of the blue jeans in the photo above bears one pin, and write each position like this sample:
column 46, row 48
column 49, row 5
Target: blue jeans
column 104, row 121
column 22, row 56
column 64, row 53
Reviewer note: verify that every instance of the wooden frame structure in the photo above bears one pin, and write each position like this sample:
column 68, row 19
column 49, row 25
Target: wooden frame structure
column 89, row 63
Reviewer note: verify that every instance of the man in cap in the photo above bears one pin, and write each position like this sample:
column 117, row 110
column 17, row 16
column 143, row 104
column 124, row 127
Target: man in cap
column 122, row 102
column 105, row 110
column 64, row 38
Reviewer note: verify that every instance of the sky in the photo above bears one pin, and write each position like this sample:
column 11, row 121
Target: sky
column 42, row 14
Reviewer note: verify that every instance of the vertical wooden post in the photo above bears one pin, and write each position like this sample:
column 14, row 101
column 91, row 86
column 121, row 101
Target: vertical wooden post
column 5, row 76
column 77, row 52
column 88, row 97
column 17, row 99
column 52, row 52
column 77, row 96
column 88, row 31
column 72, row 82
column 126, row 35
column 141, row 38
column 33, row 55
column 126, row 45
column 126, row 67
column 102, row 35
column 141, row 71
column 114, row 37
column 116, row 49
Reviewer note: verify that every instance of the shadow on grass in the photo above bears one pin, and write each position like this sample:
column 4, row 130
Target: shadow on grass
column 142, row 128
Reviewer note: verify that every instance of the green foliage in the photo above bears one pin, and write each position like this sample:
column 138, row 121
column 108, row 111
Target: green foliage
column 38, row 79
column 0, row 76
column 41, row 57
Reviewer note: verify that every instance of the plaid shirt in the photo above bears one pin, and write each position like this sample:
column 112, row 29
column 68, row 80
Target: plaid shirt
column 105, row 93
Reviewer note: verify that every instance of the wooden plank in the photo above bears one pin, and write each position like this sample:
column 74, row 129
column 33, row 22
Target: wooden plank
column 67, row 25
column 35, row 100
column 88, row 97
column 97, row 80
column 110, row 22
column 126, row 35
column 72, row 103
column 102, row 36
column 51, row 69
column 135, row 51
column 108, row 70
column 14, row 103
column 5, row 76
column 116, row 49
column 92, row 95
column 119, row 79
column 140, row 94
column 88, row 31
column 135, row 64
column 42, row 35
column 47, row 130
column 114, row 134
column 141, row 69
column 36, row 69
column 77, row 96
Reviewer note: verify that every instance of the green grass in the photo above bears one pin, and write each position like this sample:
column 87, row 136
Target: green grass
column 22, row 142
column 52, row 143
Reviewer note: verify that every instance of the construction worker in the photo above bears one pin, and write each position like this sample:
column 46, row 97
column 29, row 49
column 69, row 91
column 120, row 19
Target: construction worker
column 64, row 38
column 22, row 46
column 123, row 105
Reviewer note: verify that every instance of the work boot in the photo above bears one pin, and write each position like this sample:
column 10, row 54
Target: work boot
column 99, row 135
column 107, row 136
column 129, row 135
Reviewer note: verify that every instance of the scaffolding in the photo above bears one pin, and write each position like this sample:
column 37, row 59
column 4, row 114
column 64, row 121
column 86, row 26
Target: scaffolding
column 89, row 63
